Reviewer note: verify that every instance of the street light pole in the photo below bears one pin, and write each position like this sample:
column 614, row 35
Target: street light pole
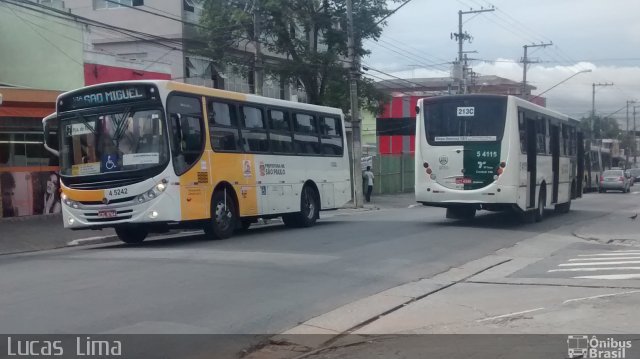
column 559, row 83
column 593, row 104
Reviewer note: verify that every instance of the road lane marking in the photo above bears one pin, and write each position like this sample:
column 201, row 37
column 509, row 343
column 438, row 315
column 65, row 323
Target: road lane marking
column 509, row 315
column 609, row 254
column 597, row 263
column 602, row 259
column 591, row 269
column 611, row 276
column 599, row 296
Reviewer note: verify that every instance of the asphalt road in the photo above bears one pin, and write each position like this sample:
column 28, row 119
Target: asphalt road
column 265, row 281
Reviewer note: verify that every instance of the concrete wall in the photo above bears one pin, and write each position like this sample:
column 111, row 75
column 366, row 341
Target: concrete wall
column 39, row 51
column 132, row 19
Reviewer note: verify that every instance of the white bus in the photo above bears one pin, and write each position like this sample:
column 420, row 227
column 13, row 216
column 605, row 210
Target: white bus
column 495, row 152
column 145, row 156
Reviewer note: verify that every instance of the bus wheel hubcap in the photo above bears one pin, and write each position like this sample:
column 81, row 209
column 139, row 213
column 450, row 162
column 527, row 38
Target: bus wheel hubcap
column 223, row 215
column 309, row 205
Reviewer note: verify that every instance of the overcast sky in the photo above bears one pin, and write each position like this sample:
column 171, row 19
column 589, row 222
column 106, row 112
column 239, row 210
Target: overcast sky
column 600, row 35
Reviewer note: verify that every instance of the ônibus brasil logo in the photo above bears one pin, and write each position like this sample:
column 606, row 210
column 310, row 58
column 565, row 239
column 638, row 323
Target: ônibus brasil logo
column 583, row 346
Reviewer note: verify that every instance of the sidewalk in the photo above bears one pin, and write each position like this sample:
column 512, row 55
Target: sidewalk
column 34, row 233
column 386, row 201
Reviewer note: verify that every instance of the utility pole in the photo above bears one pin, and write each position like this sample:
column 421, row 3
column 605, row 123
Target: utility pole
column 525, row 61
column 635, row 141
column 628, row 137
column 355, row 113
column 460, row 37
column 593, row 104
column 258, row 66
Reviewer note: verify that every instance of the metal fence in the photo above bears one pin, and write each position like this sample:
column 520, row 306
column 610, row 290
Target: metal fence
column 393, row 173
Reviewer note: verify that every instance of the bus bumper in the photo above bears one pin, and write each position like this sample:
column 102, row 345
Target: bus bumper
column 433, row 194
column 161, row 209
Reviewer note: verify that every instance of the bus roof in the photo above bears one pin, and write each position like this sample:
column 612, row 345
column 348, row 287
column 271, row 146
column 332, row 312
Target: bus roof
column 207, row 91
column 519, row 101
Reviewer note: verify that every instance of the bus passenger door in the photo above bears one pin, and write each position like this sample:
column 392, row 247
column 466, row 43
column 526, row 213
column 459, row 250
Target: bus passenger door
column 555, row 160
column 532, row 157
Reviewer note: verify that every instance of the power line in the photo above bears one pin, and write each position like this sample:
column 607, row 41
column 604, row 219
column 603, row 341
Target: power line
column 44, row 38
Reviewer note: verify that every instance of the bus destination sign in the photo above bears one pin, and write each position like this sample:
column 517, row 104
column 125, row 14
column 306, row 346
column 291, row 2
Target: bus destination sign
column 103, row 97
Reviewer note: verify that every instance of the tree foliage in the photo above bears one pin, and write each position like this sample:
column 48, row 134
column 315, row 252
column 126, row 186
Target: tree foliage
column 603, row 127
column 304, row 41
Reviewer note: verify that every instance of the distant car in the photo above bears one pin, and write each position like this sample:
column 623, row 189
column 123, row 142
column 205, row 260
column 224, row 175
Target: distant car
column 632, row 179
column 615, row 180
column 635, row 173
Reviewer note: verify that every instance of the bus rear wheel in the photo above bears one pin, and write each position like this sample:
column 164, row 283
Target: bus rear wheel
column 542, row 202
column 309, row 210
column 223, row 216
column 132, row 234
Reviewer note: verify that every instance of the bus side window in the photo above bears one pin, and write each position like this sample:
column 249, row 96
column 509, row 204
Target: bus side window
column 331, row 130
column 522, row 127
column 187, row 140
column 223, row 127
column 254, row 130
column 306, row 135
column 541, row 136
column 280, row 132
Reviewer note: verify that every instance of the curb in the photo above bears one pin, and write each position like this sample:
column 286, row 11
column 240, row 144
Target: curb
column 320, row 333
column 91, row 240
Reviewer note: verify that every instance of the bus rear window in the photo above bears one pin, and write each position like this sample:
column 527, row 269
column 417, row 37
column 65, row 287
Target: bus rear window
column 461, row 120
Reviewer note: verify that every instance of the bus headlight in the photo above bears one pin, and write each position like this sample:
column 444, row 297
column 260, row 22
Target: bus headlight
column 65, row 199
column 153, row 192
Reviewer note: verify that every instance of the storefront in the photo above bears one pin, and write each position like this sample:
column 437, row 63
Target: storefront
column 28, row 173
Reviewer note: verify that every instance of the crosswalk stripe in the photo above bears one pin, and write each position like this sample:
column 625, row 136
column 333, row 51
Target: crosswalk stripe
column 591, row 269
column 601, row 259
column 609, row 254
column 610, row 276
column 597, row 263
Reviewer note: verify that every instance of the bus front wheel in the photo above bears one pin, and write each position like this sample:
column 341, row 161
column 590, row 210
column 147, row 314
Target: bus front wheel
column 132, row 234
column 223, row 216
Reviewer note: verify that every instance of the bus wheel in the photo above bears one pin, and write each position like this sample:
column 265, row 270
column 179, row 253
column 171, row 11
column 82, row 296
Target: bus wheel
column 132, row 234
column 309, row 210
column 542, row 201
column 244, row 225
column 563, row 207
column 223, row 221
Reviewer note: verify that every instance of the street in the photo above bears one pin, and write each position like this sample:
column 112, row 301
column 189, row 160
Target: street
column 271, row 279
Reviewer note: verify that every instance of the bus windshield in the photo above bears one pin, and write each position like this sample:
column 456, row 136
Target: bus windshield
column 112, row 142
column 460, row 120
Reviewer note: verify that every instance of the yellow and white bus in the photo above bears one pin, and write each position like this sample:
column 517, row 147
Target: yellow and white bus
column 496, row 153
column 146, row 156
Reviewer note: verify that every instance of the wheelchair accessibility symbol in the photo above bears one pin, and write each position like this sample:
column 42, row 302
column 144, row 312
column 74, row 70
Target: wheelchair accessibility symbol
column 109, row 163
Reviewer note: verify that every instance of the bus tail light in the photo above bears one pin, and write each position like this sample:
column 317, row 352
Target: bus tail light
column 621, row 179
column 429, row 171
column 601, row 178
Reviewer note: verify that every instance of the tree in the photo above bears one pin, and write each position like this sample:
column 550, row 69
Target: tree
column 305, row 41
column 603, row 127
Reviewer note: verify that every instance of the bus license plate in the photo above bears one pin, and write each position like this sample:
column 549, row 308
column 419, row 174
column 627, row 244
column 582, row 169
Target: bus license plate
column 463, row 180
column 108, row 213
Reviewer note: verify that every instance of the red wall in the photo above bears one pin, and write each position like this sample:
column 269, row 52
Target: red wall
column 96, row 74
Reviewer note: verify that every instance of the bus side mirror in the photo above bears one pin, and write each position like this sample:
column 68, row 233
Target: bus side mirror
column 50, row 126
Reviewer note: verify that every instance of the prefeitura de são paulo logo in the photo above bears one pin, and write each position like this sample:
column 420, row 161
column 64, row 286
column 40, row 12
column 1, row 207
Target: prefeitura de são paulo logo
column 583, row 346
